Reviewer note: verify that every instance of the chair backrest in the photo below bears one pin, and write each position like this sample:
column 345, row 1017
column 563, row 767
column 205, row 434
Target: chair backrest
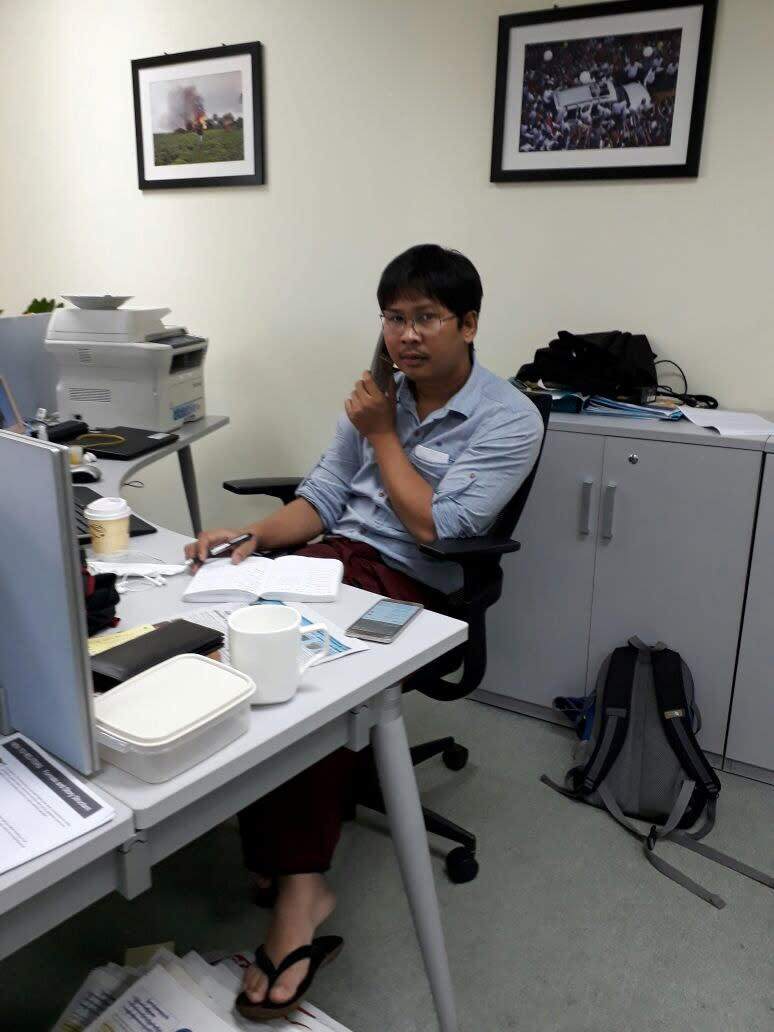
column 483, row 584
column 509, row 515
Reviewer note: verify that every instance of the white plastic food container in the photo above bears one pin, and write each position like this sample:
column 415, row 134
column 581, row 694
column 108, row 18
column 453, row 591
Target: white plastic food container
column 172, row 716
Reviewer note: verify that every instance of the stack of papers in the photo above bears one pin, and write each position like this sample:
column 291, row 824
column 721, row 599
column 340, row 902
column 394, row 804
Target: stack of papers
column 562, row 399
column 599, row 406
column 170, row 993
column 42, row 805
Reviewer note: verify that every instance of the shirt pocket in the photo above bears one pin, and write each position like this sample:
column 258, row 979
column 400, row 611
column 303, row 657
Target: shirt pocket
column 430, row 463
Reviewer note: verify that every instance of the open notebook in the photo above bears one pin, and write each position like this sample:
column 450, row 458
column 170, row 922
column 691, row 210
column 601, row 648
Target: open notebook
column 291, row 578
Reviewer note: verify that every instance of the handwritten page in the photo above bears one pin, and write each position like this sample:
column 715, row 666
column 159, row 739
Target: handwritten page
column 220, row 579
column 289, row 578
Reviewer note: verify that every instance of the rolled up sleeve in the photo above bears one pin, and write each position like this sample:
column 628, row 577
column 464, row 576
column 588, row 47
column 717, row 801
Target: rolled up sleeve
column 485, row 476
column 327, row 486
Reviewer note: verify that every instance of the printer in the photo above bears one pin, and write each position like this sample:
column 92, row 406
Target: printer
column 124, row 367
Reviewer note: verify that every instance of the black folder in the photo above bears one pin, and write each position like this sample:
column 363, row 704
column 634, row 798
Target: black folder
column 124, row 442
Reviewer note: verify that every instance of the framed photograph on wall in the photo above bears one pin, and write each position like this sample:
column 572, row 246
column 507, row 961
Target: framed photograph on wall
column 198, row 118
column 602, row 90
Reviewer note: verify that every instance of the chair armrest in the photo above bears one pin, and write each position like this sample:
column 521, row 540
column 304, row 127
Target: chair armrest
column 283, row 488
column 461, row 550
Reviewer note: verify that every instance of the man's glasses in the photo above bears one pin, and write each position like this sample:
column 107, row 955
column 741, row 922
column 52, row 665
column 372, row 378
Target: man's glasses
column 426, row 324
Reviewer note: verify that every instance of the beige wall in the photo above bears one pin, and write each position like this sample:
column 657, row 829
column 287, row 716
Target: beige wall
column 378, row 135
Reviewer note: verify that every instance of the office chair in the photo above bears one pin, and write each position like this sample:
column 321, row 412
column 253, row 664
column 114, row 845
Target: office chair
column 482, row 585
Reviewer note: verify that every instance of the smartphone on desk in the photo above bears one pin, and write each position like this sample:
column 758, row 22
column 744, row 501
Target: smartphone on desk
column 384, row 621
column 382, row 368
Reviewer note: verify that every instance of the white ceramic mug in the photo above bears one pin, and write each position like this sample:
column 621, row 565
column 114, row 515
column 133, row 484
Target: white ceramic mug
column 265, row 643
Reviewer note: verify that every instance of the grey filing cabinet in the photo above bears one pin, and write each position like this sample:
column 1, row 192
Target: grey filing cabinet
column 629, row 529
column 750, row 747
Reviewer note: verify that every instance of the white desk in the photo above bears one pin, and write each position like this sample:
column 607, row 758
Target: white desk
column 346, row 702
column 116, row 473
column 47, row 890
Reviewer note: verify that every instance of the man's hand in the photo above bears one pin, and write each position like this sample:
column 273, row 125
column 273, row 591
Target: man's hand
column 208, row 538
column 369, row 410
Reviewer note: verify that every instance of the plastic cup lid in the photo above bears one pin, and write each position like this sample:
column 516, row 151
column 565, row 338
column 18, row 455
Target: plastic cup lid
column 107, row 509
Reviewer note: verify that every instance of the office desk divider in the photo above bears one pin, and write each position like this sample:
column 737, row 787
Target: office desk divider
column 45, row 678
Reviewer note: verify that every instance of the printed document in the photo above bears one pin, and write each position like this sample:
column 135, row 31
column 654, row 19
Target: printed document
column 157, row 1002
column 102, row 987
column 341, row 644
column 175, row 994
column 729, row 424
column 42, row 805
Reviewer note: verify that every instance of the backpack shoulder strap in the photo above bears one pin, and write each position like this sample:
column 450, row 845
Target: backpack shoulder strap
column 614, row 722
column 676, row 720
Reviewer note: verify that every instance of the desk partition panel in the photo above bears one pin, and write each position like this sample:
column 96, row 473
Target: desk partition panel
column 45, row 676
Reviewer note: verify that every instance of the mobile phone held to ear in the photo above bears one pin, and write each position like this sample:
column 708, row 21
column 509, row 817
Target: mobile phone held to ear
column 381, row 365
column 384, row 621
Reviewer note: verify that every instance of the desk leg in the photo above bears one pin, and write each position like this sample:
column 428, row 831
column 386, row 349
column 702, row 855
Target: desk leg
column 134, row 873
column 404, row 810
column 189, row 486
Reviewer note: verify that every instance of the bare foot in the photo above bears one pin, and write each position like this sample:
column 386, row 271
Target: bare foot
column 304, row 902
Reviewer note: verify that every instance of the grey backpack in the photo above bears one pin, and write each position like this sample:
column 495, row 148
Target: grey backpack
column 643, row 761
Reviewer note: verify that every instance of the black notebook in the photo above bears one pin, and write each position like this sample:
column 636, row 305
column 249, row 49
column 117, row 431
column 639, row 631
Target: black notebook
column 112, row 666
column 124, row 442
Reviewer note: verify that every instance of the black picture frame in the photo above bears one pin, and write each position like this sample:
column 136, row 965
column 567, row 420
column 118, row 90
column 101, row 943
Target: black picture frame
column 547, row 121
column 173, row 126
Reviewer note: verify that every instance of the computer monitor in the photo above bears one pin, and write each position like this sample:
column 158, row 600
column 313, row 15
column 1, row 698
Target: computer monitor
column 45, row 675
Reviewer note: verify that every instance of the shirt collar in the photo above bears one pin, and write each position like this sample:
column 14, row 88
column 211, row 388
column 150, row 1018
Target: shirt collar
column 464, row 401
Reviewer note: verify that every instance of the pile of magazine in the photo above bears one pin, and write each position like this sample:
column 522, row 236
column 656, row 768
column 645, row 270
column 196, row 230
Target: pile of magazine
column 167, row 993
column 659, row 409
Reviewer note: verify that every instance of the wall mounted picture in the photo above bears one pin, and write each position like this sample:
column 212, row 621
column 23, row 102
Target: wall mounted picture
column 602, row 90
column 199, row 118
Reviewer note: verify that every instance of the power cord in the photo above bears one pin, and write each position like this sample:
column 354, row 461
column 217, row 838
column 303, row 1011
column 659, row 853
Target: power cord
column 692, row 400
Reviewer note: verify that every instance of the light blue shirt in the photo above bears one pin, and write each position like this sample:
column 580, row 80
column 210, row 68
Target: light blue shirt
column 474, row 452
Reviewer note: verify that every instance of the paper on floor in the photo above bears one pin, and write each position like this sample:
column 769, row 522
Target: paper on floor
column 169, row 993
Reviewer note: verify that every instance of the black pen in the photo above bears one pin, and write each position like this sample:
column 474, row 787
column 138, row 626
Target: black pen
column 218, row 550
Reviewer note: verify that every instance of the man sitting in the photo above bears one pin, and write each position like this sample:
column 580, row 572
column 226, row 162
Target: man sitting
column 436, row 456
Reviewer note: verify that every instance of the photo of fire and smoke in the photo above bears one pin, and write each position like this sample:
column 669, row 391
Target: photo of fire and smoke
column 197, row 120
column 602, row 92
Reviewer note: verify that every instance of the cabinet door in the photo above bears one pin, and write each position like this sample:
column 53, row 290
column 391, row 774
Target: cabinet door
column 674, row 540
column 538, row 631
column 751, row 727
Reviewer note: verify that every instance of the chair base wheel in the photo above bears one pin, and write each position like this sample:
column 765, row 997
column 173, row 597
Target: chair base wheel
column 455, row 756
column 461, row 865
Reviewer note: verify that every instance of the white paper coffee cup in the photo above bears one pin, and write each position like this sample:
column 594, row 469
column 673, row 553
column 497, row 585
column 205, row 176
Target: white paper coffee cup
column 108, row 522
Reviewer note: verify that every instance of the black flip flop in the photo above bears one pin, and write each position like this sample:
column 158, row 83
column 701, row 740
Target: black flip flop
column 322, row 951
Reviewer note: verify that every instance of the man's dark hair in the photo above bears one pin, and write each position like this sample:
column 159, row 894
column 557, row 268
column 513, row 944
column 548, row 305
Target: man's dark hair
column 436, row 272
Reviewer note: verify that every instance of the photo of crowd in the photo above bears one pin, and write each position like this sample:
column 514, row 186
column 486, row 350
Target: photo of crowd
column 600, row 93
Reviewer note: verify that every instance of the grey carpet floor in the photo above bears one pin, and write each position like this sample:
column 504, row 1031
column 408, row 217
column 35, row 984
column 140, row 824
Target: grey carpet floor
column 566, row 929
